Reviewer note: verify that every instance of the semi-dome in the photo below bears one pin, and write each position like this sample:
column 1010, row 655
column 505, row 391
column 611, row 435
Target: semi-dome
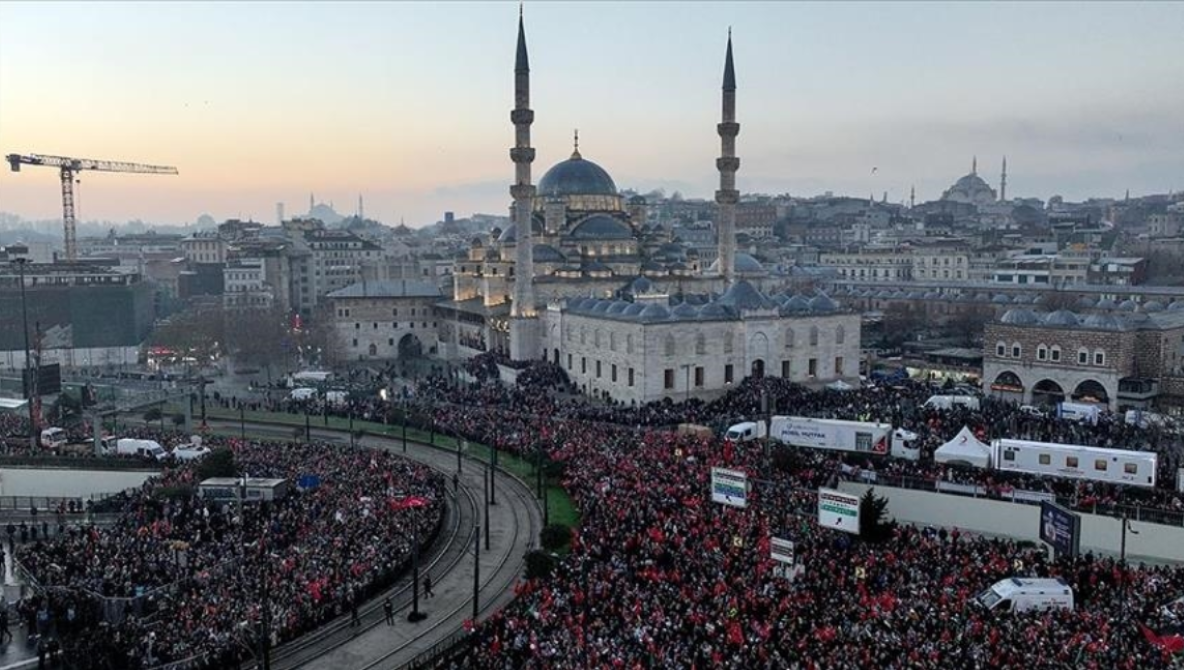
column 545, row 253
column 1020, row 317
column 1106, row 303
column 685, row 311
column 601, row 227
column 1001, row 299
column 602, row 306
column 743, row 295
column 713, row 310
column 1128, row 306
column 822, row 303
column 743, row 264
column 1061, row 317
column 1086, row 302
column 654, row 312
column 1153, row 306
column 796, row 303
column 576, row 176
column 634, row 309
column 510, row 234
column 617, row 307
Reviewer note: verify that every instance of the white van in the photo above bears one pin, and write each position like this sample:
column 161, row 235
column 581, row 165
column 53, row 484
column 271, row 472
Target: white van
column 951, row 401
column 1078, row 411
column 745, row 432
column 53, row 438
column 1020, row 594
column 303, row 393
column 127, row 446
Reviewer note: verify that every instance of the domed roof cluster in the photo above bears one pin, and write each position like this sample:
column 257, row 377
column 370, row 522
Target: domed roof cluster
column 744, row 264
column 576, row 176
column 741, row 297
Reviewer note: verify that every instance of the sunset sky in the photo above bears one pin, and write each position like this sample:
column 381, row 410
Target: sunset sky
column 408, row 104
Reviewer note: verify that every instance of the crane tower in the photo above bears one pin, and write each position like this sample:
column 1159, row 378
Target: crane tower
column 69, row 168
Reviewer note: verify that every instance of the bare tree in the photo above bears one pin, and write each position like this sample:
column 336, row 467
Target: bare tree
column 968, row 322
column 260, row 337
column 196, row 334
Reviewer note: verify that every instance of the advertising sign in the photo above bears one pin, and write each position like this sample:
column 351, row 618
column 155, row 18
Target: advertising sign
column 781, row 550
column 1060, row 528
column 838, row 510
column 729, row 487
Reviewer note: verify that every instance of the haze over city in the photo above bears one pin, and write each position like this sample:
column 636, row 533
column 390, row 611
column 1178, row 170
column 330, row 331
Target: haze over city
column 258, row 103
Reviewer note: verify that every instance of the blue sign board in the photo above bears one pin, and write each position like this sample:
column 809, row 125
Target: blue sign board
column 1060, row 528
column 307, row 482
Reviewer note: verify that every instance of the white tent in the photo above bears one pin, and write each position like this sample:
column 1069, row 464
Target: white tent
column 964, row 449
column 839, row 385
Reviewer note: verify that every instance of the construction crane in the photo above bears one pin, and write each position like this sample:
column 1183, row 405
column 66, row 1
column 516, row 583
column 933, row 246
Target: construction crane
column 69, row 168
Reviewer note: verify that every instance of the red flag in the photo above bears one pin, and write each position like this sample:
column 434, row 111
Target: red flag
column 1170, row 643
column 409, row 501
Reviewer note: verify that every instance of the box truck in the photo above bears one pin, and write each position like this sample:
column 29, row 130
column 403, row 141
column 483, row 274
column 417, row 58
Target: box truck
column 876, row 439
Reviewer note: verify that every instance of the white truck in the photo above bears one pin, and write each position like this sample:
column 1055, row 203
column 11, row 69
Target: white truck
column 127, row 446
column 745, row 431
column 1078, row 411
column 1019, row 594
column 876, row 439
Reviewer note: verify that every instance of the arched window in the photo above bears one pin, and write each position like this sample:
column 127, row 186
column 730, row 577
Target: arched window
column 1054, row 354
column 1041, row 353
column 813, row 336
column 612, row 340
column 789, row 338
column 669, row 345
column 1016, row 350
column 1083, row 356
column 629, row 343
column 729, row 342
column 1099, row 357
column 596, row 338
column 700, row 344
column 583, row 335
column 1000, row 349
column 840, row 334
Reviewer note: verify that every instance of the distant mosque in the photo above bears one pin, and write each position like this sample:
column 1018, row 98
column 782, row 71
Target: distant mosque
column 974, row 190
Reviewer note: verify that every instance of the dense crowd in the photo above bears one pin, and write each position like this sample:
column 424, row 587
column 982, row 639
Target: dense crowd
column 187, row 572
column 659, row 576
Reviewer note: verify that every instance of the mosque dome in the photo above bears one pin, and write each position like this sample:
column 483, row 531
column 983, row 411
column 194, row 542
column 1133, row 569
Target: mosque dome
column 601, row 227
column 1020, row 317
column 744, row 264
column 576, row 176
column 970, row 189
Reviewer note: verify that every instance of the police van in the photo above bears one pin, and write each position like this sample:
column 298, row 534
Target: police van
column 1020, row 594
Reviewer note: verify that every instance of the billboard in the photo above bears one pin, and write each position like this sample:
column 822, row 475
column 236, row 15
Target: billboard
column 1060, row 528
column 49, row 379
column 781, row 550
column 729, row 487
column 838, row 510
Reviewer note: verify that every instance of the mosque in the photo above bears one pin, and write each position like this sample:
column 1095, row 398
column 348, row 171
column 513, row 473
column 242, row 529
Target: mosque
column 582, row 279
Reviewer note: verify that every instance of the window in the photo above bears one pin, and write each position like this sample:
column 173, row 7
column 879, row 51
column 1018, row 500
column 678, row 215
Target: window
column 1099, row 358
column 812, row 367
column 1082, row 357
column 840, row 334
column 700, row 344
column 838, row 365
column 583, row 335
column 1000, row 349
column 629, row 344
column 596, row 338
column 395, row 312
column 631, row 376
column 390, row 342
column 1041, row 353
column 1009, row 455
column 412, row 311
column 728, row 373
column 669, row 346
column 612, row 341
column 1101, row 465
column 357, row 326
column 583, row 365
column 1071, row 462
column 668, row 378
column 729, row 342
column 1045, row 459
column 598, row 369
column 1015, row 350
column 355, row 341
column 699, row 377
column 813, row 336
column 569, row 361
column 614, row 377
column 789, row 338
column 1130, row 468
column 785, row 369
column 375, row 326
column 1055, row 353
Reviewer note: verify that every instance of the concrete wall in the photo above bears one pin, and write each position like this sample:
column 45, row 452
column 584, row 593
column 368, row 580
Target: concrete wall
column 53, row 482
column 1098, row 533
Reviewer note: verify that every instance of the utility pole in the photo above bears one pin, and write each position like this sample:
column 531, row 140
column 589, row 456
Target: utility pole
column 415, row 614
column 492, row 468
column 20, row 264
column 488, row 473
column 476, row 572
column 403, row 415
column 307, row 426
column 242, row 421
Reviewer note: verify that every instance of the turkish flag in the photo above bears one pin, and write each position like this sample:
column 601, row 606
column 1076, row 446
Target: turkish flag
column 409, row 501
column 1170, row 643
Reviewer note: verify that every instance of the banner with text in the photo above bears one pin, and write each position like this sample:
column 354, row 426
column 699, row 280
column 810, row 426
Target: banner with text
column 729, row 487
column 838, row 510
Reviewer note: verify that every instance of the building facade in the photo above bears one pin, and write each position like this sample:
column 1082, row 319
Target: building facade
column 386, row 320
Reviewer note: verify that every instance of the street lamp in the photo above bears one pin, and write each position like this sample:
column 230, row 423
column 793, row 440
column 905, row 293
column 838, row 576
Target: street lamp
column 20, row 265
column 687, row 367
column 1126, row 528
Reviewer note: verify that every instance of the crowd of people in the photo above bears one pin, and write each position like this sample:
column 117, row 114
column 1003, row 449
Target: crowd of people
column 659, row 576
column 181, row 573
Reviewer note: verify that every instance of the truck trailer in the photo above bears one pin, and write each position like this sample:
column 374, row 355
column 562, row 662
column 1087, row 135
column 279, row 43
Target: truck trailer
column 874, row 439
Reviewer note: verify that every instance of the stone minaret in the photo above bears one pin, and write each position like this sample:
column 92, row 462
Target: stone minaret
column 727, row 196
column 1003, row 182
column 522, row 309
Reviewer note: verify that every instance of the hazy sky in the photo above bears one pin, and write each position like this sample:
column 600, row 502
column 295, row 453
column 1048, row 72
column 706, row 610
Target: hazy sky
column 409, row 104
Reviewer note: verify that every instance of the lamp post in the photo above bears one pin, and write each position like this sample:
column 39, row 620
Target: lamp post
column 1126, row 528
column 20, row 265
column 687, row 367
column 476, row 572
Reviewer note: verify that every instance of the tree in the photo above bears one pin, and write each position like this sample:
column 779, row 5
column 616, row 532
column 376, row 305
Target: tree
column 968, row 322
column 320, row 335
column 554, row 537
column 539, row 564
column 901, row 323
column 217, row 463
column 874, row 525
column 195, row 335
column 259, row 337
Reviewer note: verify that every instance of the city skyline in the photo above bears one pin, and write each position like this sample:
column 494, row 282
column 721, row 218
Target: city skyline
column 364, row 98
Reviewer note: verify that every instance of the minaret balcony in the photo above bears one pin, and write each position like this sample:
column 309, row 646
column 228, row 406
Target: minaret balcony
column 728, row 128
column 522, row 191
column 522, row 154
column 727, row 163
column 728, row 196
column 522, row 117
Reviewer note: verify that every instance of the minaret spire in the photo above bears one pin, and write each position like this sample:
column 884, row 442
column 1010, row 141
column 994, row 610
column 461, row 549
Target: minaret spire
column 974, row 165
column 575, row 152
column 361, row 210
column 912, row 196
column 1003, row 182
column 522, row 307
column 727, row 196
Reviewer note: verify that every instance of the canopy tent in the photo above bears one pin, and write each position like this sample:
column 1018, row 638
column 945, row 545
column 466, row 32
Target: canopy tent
column 964, row 449
column 839, row 385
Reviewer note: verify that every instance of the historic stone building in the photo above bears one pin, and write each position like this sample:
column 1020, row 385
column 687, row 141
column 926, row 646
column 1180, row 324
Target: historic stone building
column 1121, row 359
column 386, row 319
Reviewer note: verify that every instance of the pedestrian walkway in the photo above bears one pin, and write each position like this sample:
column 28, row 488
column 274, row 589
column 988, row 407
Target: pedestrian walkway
column 17, row 651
